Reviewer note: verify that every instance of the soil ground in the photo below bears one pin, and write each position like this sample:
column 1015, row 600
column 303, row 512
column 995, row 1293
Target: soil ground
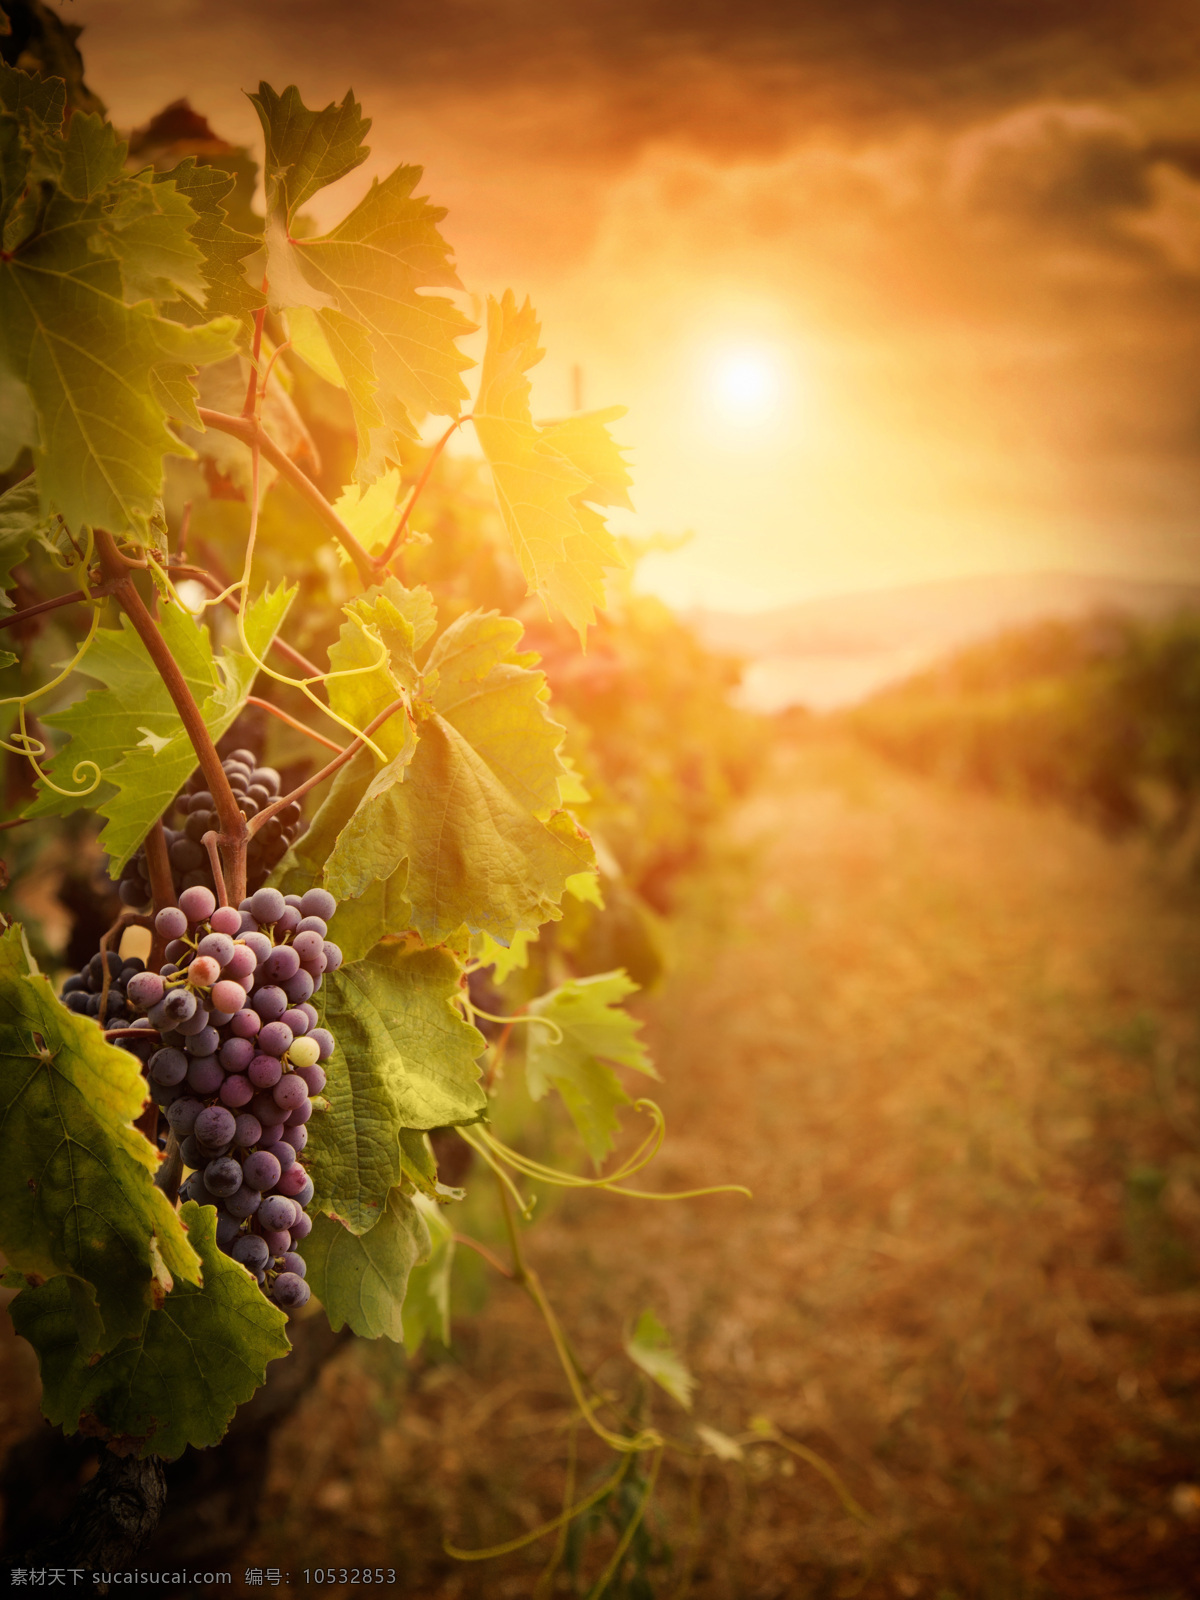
column 952, row 1046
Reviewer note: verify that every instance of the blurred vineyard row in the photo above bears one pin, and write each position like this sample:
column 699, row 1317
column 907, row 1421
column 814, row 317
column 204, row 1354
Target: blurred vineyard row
column 1100, row 714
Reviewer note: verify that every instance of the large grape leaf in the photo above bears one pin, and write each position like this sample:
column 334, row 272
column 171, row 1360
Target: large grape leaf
column 361, row 1279
column 405, row 1059
column 394, row 346
column 76, row 1178
column 471, row 819
column 543, row 476
column 80, row 239
column 427, row 1304
column 178, row 1383
column 594, row 1031
column 131, row 730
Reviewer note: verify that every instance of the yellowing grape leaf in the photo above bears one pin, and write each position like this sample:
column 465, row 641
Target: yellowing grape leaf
column 394, row 346
column 361, row 1279
column 131, row 730
column 80, row 237
column 594, row 1030
column 471, row 820
column 405, row 1059
column 199, row 1357
column 427, row 1303
column 650, row 1349
column 76, row 1178
column 543, row 476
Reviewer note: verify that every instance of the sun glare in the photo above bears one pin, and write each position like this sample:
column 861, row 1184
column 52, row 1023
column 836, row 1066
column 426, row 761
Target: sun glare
column 745, row 386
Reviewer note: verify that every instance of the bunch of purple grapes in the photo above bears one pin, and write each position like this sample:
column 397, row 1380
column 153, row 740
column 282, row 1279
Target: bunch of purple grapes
column 255, row 788
column 238, row 1061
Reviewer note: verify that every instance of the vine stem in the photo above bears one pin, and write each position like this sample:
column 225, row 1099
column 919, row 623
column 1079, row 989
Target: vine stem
column 251, row 433
column 351, row 750
column 393, row 543
column 233, row 823
column 14, row 617
column 292, row 722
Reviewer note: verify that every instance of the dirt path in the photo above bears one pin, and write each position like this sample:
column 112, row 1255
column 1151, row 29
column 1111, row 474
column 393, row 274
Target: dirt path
column 952, row 1047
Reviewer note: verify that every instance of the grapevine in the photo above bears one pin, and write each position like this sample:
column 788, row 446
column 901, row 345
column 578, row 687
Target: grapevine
column 238, row 1089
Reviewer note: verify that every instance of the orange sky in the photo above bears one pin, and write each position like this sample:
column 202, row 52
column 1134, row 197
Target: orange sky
column 893, row 291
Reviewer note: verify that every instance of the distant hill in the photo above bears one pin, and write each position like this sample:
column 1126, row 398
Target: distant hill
column 837, row 650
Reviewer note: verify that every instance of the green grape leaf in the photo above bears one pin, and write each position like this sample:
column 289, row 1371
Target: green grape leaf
column 417, row 1160
column 76, row 1177
column 595, row 1030
column 357, row 925
column 542, row 476
column 650, row 1348
column 405, row 1059
column 130, row 730
column 427, row 1303
column 80, row 237
column 361, row 1278
column 202, row 1354
column 224, row 248
column 471, row 818
column 394, row 346
column 7, row 659
column 586, row 442
column 21, row 520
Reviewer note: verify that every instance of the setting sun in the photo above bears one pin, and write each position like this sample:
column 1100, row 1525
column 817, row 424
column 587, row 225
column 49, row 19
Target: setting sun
column 746, row 386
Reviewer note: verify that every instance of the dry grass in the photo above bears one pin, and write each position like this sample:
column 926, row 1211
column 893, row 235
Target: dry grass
column 952, row 1046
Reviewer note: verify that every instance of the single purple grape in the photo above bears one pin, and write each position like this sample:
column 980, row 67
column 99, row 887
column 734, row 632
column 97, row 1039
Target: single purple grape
column 247, row 1130
column 226, row 920
column 204, row 1043
column 223, row 1177
column 168, row 1066
column 145, row 989
column 170, row 923
column 312, row 925
column 291, row 1092
column 182, row 1116
column 241, row 963
column 244, row 1203
column 333, row 957
column 297, row 1020
column 197, row 903
column 283, row 963
column 277, row 1212
column 293, row 1263
column 317, row 903
column 251, row 1251
column 236, row 1054
column 229, row 1229
column 288, row 922
column 215, row 1128
column 297, row 1137
column 301, row 1114
column 290, row 1292
column 229, row 997
column 176, row 951
column 205, row 1075
column 311, row 1012
column 308, row 946
column 302, row 1226
column 258, row 942
column 266, row 906
column 325, row 1039
column 304, row 1198
column 278, row 1241
column 217, row 945
column 314, row 1077
column 292, row 1181
column 237, row 1091
column 300, row 987
column 274, row 1039
column 292, row 900
column 265, row 1071
column 269, row 1002
column 245, row 1024
column 261, row 1170
column 204, row 971
column 246, row 924
column 179, row 1005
